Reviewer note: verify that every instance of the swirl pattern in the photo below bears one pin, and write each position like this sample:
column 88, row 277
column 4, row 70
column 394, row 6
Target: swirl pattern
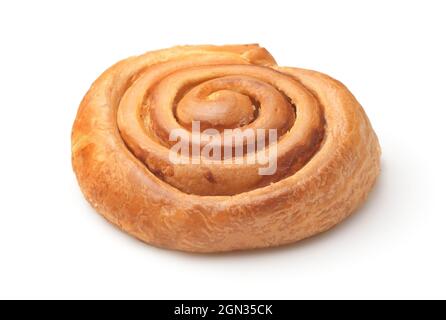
column 326, row 151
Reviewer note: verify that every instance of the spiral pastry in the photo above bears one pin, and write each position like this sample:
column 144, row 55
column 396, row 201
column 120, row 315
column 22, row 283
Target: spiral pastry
column 324, row 150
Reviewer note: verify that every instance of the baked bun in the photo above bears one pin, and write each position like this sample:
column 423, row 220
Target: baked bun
column 320, row 154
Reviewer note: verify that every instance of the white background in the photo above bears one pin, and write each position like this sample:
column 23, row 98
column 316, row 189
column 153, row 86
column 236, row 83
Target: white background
column 391, row 54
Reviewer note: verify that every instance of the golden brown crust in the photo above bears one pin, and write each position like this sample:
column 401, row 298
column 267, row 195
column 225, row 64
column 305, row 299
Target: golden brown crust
column 328, row 156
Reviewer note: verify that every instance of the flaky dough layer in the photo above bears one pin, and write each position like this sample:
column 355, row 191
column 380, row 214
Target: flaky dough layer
column 328, row 153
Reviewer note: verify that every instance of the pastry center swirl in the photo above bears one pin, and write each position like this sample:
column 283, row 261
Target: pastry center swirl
column 225, row 96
